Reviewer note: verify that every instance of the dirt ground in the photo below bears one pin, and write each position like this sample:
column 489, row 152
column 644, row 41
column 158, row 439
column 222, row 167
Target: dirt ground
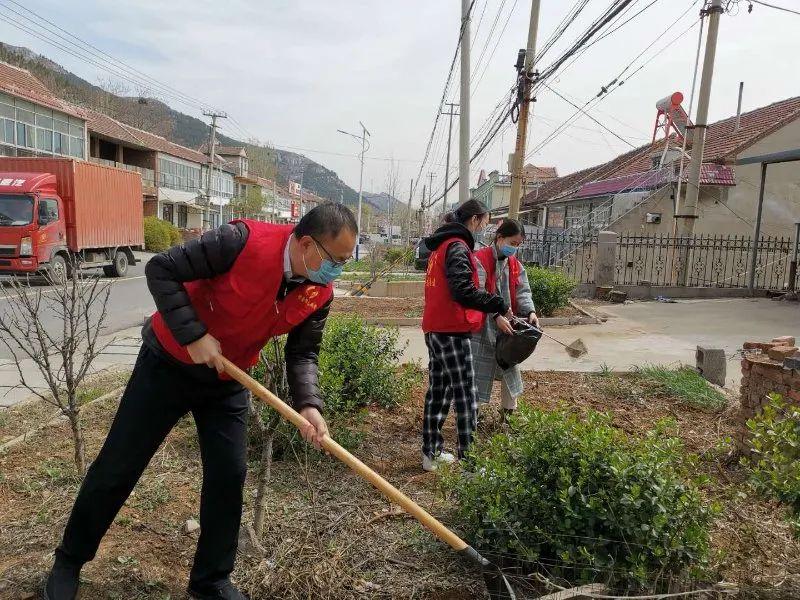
column 405, row 308
column 328, row 535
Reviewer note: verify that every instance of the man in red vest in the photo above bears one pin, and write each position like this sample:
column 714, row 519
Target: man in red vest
column 225, row 294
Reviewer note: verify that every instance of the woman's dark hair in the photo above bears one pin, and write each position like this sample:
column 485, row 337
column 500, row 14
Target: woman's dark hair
column 326, row 220
column 509, row 228
column 462, row 214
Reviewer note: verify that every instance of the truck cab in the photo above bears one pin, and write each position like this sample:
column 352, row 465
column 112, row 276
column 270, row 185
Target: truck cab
column 32, row 224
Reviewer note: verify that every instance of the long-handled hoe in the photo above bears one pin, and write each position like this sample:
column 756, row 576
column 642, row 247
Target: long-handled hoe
column 491, row 571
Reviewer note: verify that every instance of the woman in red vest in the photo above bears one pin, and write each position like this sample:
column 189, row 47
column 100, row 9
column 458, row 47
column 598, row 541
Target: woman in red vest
column 500, row 272
column 225, row 294
column 455, row 308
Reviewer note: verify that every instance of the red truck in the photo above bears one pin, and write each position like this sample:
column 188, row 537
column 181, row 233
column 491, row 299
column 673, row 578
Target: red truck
column 56, row 213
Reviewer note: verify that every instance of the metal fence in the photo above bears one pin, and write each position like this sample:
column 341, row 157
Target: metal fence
column 702, row 261
column 571, row 253
column 721, row 261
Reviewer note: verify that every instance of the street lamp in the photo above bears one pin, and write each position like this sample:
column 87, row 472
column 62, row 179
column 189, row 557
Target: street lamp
column 364, row 147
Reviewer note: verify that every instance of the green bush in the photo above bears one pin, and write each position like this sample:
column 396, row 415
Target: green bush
column 160, row 235
column 774, row 462
column 550, row 289
column 359, row 366
column 404, row 255
column 585, row 499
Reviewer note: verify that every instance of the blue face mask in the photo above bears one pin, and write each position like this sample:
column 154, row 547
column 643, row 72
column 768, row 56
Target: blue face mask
column 327, row 272
column 507, row 250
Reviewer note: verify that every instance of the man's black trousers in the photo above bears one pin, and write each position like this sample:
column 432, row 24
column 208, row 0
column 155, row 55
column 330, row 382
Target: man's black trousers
column 158, row 394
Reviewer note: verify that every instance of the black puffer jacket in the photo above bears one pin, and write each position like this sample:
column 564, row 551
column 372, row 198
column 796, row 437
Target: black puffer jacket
column 212, row 255
column 459, row 270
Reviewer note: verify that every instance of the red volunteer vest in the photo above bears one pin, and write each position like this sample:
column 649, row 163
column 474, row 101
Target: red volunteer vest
column 442, row 314
column 240, row 308
column 489, row 263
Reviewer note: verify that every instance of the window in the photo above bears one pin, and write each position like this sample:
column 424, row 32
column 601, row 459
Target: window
column 43, row 121
column 48, row 211
column 25, row 116
column 8, row 131
column 61, row 126
column 59, row 143
column 76, row 147
column 167, row 211
column 183, row 216
column 7, row 111
column 44, row 139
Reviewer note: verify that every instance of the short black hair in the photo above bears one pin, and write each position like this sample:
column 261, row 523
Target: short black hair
column 326, row 219
column 510, row 228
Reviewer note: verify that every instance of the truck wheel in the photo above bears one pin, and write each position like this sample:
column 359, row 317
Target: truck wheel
column 58, row 272
column 119, row 268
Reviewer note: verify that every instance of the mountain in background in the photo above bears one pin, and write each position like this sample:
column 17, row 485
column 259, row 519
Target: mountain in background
column 138, row 108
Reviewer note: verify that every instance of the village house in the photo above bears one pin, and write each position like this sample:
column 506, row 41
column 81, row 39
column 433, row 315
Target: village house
column 635, row 192
column 494, row 190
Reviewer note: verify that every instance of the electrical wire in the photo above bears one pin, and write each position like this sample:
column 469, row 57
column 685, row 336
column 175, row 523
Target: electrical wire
column 775, row 6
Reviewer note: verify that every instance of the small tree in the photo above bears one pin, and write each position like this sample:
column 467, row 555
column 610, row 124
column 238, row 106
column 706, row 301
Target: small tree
column 57, row 328
column 250, row 205
column 271, row 371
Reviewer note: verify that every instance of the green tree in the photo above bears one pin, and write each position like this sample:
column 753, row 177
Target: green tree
column 250, row 205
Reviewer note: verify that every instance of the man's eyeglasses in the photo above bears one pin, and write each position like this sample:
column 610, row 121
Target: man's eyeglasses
column 336, row 263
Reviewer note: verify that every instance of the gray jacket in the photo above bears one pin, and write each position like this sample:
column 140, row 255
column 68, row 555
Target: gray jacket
column 483, row 342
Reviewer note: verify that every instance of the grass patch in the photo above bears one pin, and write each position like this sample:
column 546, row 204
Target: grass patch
column 684, row 383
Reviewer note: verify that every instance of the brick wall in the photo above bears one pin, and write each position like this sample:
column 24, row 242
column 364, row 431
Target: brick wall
column 150, row 208
column 767, row 367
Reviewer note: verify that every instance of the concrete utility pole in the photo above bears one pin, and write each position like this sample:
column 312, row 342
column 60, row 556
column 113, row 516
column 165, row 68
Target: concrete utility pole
column 688, row 215
column 274, row 198
column 451, row 113
column 408, row 215
column 463, row 134
column 526, row 76
column 364, row 147
column 431, row 175
column 212, row 142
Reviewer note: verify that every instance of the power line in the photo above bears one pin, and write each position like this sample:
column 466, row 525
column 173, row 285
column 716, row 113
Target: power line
column 86, row 48
column 775, row 6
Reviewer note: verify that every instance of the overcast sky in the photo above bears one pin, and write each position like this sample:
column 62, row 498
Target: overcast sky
column 293, row 72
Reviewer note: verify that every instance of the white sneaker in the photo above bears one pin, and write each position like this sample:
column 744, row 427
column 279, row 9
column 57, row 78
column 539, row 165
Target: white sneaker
column 432, row 464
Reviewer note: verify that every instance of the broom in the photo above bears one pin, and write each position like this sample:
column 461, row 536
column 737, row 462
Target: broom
column 383, row 486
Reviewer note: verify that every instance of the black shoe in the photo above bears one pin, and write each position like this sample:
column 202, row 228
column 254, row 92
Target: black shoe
column 226, row 592
column 62, row 583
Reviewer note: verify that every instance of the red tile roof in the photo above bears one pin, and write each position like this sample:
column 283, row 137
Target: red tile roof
column 540, row 173
column 710, row 174
column 722, row 146
column 21, row 83
column 111, row 128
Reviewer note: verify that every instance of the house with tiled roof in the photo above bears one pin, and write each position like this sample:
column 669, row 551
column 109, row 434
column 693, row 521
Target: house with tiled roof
column 174, row 177
column 34, row 121
column 494, row 189
column 635, row 192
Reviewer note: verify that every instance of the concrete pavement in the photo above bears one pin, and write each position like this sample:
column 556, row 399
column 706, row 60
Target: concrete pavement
column 642, row 333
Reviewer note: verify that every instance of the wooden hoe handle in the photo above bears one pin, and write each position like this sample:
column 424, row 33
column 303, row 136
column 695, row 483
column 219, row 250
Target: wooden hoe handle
column 330, row 446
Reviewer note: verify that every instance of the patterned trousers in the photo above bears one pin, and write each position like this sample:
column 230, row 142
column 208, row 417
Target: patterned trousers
column 451, row 381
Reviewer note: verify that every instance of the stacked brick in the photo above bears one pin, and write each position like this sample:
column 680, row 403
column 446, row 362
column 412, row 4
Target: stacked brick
column 767, row 367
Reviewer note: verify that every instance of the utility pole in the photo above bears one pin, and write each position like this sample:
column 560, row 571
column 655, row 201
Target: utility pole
column 525, row 80
column 364, row 147
column 212, row 141
column 274, row 198
column 408, row 214
column 463, row 134
column 687, row 217
column 430, row 187
column 451, row 113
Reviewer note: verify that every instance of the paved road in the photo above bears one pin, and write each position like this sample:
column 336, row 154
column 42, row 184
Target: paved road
column 129, row 303
column 642, row 333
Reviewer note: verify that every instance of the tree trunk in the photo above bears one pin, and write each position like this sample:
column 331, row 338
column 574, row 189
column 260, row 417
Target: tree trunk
column 77, row 439
column 264, row 476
